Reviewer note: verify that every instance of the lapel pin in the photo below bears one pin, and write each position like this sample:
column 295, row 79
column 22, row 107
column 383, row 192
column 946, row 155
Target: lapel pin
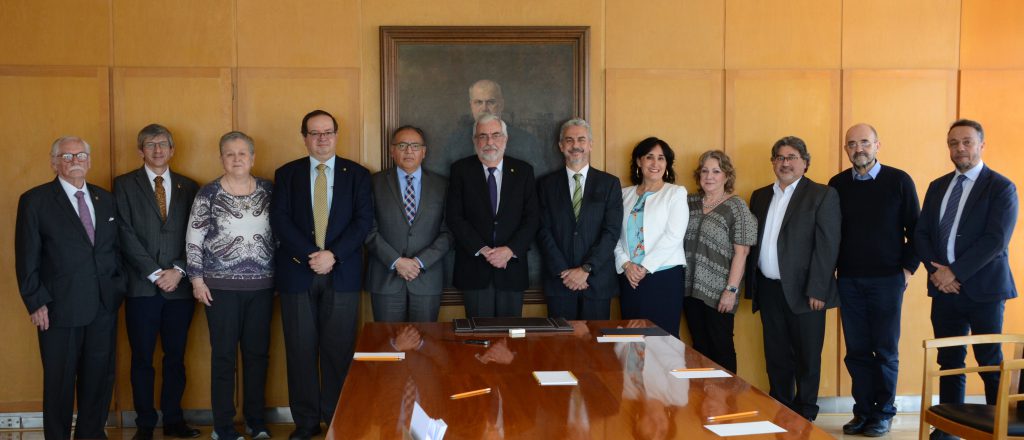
column 179, row 186
column 512, row 170
column 344, row 168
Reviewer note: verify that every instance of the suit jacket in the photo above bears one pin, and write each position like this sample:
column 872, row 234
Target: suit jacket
column 566, row 243
column 808, row 244
column 391, row 237
column 982, row 237
column 55, row 263
column 291, row 217
column 148, row 243
column 469, row 215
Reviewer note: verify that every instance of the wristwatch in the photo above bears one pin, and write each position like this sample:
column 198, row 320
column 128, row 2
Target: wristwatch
column 732, row 289
column 587, row 267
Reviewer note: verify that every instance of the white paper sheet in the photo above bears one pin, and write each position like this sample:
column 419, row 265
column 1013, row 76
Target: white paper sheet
column 422, row 427
column 638, row 338
column 700, row 374
column 373, row 354
column 749, row 428
column 555, row 377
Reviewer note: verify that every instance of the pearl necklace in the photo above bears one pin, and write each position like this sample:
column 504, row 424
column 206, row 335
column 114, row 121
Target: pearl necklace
column 708, row 207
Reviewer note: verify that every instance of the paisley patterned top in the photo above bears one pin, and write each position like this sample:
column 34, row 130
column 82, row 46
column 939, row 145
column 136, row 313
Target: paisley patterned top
column 709, row 245
column 229, row 243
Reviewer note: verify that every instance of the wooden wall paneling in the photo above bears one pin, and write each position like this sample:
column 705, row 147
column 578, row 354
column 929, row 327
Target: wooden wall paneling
column 762, row 106
column 911, row 109
column 184, row 33
column 39, row 105
column 665, row 34
column 991, row 35
column 785, row 34
column 881, row 34
column 319, row 33
column 55, row 32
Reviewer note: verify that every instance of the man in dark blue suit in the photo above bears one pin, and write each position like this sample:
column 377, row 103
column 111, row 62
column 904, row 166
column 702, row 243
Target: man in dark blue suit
column 962, row 238
column 580, row 222
column 321, row 211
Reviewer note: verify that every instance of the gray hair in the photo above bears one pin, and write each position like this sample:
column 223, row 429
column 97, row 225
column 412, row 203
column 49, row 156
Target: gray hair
column 488, row 118
column 575, row 122
column 236, row 135
column 57, row 143
column 153, row 130
column 487, row 83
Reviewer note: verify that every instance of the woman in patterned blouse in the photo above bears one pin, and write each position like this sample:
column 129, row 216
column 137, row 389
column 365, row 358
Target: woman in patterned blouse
column 718, row 239
column 230, row 252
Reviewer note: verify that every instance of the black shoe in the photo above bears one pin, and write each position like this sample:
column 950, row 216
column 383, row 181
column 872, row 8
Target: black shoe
column 258, row 431
column 229, row 435
column 180, row 430
column 304, row 433
column 877, row 428
column 143, row 434
column 855, row 426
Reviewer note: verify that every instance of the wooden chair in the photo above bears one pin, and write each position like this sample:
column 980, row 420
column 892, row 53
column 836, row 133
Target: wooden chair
column 975, row 421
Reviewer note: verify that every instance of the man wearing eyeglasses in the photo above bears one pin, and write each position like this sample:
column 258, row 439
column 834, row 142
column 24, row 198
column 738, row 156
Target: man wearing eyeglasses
column 67, row 263
column 409, row 239
column 153, row 206
column 492, row 207
column 321, row 211
column 962, row 238
column 791, row 274
column 876, row 260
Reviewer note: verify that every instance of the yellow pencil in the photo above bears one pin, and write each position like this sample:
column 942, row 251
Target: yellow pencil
column 470, row 393
column 738, row 415
column 379, row 358
column 682, row 370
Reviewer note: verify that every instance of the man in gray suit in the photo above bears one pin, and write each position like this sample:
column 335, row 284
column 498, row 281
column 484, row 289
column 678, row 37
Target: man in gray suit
column 153, row 206
column 791, row 274
column 409, row 238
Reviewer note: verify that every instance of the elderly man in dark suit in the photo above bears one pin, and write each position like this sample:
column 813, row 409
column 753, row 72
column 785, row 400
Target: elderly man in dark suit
column 321, row 211
column 409, row 238
column 962, row 238
column 492, row 207
column 153, row 205
column 791, row 274
column 580, row 222
column 68, row 266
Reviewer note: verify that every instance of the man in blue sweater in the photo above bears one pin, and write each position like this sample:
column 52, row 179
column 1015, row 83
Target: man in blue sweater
column 876, row 259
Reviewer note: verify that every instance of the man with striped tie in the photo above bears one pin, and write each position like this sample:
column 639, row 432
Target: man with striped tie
column 580, row 222
column 962, row 238
column 409, row 238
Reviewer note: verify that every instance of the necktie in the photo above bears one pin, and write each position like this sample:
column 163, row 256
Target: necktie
column 492, row 187
column 577, row 196
column 409, row 199
column 949, row 216
column 83, row 214
column 320, row 205
column 161, row 196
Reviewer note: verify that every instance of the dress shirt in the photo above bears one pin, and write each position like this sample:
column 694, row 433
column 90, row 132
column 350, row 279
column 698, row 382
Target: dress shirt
column 417, row 184
column 70, row 190
column 972, row 176
column 768, row 259
column 872, row 173
column 328, row 173
column 167, row 183
column 497, row 177
column 583, row 179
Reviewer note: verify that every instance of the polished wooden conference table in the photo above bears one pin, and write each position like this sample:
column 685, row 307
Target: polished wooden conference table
column 625, row 389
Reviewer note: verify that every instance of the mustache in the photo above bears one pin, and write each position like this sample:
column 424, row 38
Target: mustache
column 575, row 150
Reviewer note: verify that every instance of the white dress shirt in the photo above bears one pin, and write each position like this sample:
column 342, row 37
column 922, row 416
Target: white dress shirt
column 583, row 180
column 328, row 173
column 166, row 184
column 497, row 178
column 768, row 259
column 70, row 190
column 972, row 176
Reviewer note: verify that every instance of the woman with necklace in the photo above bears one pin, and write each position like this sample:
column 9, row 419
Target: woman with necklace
column 649, row 255
column 718, row 239
column 230, row 251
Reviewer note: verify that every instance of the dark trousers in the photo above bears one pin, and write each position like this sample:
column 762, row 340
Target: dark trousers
column 870, row 313
column 405, row 307
column 319, row 339
column 78, row 361
column 658, row 297
column 145, row 318
column 712, row 332
column 239, row 319
column 490, row 302
column 958, row 315
column 577, row 306
column 792, row 349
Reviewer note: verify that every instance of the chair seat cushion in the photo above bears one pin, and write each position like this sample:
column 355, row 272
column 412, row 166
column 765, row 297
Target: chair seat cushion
column 980, row 417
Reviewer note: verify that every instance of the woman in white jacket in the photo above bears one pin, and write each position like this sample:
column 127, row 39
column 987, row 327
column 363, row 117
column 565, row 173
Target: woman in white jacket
column 649, row 256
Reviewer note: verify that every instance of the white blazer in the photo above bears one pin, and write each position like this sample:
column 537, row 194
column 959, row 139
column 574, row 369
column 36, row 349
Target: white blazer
column 666, row 214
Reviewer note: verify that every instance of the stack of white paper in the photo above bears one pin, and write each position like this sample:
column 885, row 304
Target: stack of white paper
column 422, row 427
column 623, row 338
column 731, row 429
column 555, row 378
column 700, row 374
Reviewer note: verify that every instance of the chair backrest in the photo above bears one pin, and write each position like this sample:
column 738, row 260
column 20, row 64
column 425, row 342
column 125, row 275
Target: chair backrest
column 1008, row 394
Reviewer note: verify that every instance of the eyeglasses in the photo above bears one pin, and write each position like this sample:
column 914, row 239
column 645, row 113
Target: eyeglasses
column 485, row 137
column 153, row 145
column 402, row 146
column 863, row 143
column 319, row 135
column 68, row 157
column 784, row 159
